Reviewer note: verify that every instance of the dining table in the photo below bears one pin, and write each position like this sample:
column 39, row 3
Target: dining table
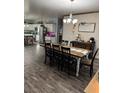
column 78, row 53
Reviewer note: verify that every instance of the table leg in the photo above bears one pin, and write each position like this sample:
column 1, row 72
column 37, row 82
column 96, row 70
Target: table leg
column 78, row 67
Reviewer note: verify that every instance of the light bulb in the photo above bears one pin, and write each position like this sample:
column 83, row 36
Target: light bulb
column 64, row 20
column 69, row 20
column 74, row 21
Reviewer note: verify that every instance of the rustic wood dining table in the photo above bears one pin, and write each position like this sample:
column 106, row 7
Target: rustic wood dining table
column 78, row 53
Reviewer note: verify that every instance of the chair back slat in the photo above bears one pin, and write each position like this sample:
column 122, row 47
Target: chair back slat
column 56, row 47
column 65, row 50
column 47, row 44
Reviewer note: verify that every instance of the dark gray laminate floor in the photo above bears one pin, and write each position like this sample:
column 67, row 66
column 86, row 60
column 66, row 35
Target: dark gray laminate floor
column 42, row 78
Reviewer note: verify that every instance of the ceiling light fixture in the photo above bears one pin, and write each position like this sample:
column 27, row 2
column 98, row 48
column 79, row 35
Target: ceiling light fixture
column 70, row 19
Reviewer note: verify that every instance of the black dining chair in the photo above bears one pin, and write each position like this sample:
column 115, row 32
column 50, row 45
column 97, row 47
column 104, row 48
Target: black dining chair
column 89, row 46
column 64, row 42
column 56, row 54
column 90, row 62
column 68, row 61
column 48, row 52
column 71, row 43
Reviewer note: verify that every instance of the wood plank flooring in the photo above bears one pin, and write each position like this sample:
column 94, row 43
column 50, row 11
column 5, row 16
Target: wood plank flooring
column 42, row 78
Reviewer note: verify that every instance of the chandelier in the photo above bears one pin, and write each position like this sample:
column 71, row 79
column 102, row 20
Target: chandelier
column 70, row 18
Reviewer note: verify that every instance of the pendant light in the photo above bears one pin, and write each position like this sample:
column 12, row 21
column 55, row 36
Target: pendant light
column 70, row 18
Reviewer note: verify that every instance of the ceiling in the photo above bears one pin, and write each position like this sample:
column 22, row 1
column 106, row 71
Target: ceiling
column 57, row 8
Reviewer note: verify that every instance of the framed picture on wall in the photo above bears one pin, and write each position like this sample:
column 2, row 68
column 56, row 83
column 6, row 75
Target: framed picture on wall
column 86, row 27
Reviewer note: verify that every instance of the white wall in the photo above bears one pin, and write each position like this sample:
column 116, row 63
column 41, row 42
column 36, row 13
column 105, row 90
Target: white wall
column 89, row 18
